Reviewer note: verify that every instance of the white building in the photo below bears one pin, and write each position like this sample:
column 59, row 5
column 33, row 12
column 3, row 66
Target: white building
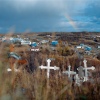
column 35, row 49
column 44, row 41
column 98, row 47
column 25, row 42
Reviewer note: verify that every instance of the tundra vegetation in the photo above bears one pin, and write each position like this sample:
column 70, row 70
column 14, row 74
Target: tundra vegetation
column 34, row 85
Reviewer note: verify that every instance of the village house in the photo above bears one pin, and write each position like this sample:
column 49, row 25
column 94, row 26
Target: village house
column 35, row 49
column 81, row 46
column 54, row 43
column 98, row 46
column 34, row 44
column 14, row 55
column 44, row 41
column 25, row 42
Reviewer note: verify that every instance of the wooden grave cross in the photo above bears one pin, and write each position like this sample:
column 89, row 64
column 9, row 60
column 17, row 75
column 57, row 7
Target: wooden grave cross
column 69, row 72
column 48, row 67
column 86, row 69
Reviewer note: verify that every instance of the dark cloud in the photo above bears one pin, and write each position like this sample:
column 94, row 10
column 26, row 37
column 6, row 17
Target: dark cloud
column 93, row 8
column 47, row 15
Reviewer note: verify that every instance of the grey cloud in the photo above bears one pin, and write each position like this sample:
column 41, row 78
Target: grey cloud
column 47, row 14
column 93, row 9
column 47, row 6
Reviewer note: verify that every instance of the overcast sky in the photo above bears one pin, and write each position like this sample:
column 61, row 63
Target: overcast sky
column 49, row 15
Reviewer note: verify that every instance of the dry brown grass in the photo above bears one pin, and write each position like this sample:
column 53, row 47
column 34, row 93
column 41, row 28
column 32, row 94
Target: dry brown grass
column 36, row 86
column 22, row 48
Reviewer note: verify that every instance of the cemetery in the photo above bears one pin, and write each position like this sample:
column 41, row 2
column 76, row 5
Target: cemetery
column 57, row 71
column 49, row 49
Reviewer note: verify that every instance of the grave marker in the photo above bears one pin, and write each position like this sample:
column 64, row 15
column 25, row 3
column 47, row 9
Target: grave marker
column 48, row 67
column 86, row 69
column 69, row 72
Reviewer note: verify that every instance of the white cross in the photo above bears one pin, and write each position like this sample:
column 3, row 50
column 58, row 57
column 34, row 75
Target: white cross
column 48, row 67
column 86, row 69
column 69, row 72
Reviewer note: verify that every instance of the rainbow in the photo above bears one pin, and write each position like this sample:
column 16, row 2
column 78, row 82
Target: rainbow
column 71, row 22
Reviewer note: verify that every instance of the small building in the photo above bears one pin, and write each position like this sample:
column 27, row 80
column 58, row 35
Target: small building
column 25, row 42
column 8, row 41
column 34, row 44
column 48, row 36
column 54, row 43
column 35, row 49
column 15, row 40
column 44, row 41
column 53, row 48
column 14, row 55
column 4, row 38
column 98, row 46
column 81, row 46
column 87, row 48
